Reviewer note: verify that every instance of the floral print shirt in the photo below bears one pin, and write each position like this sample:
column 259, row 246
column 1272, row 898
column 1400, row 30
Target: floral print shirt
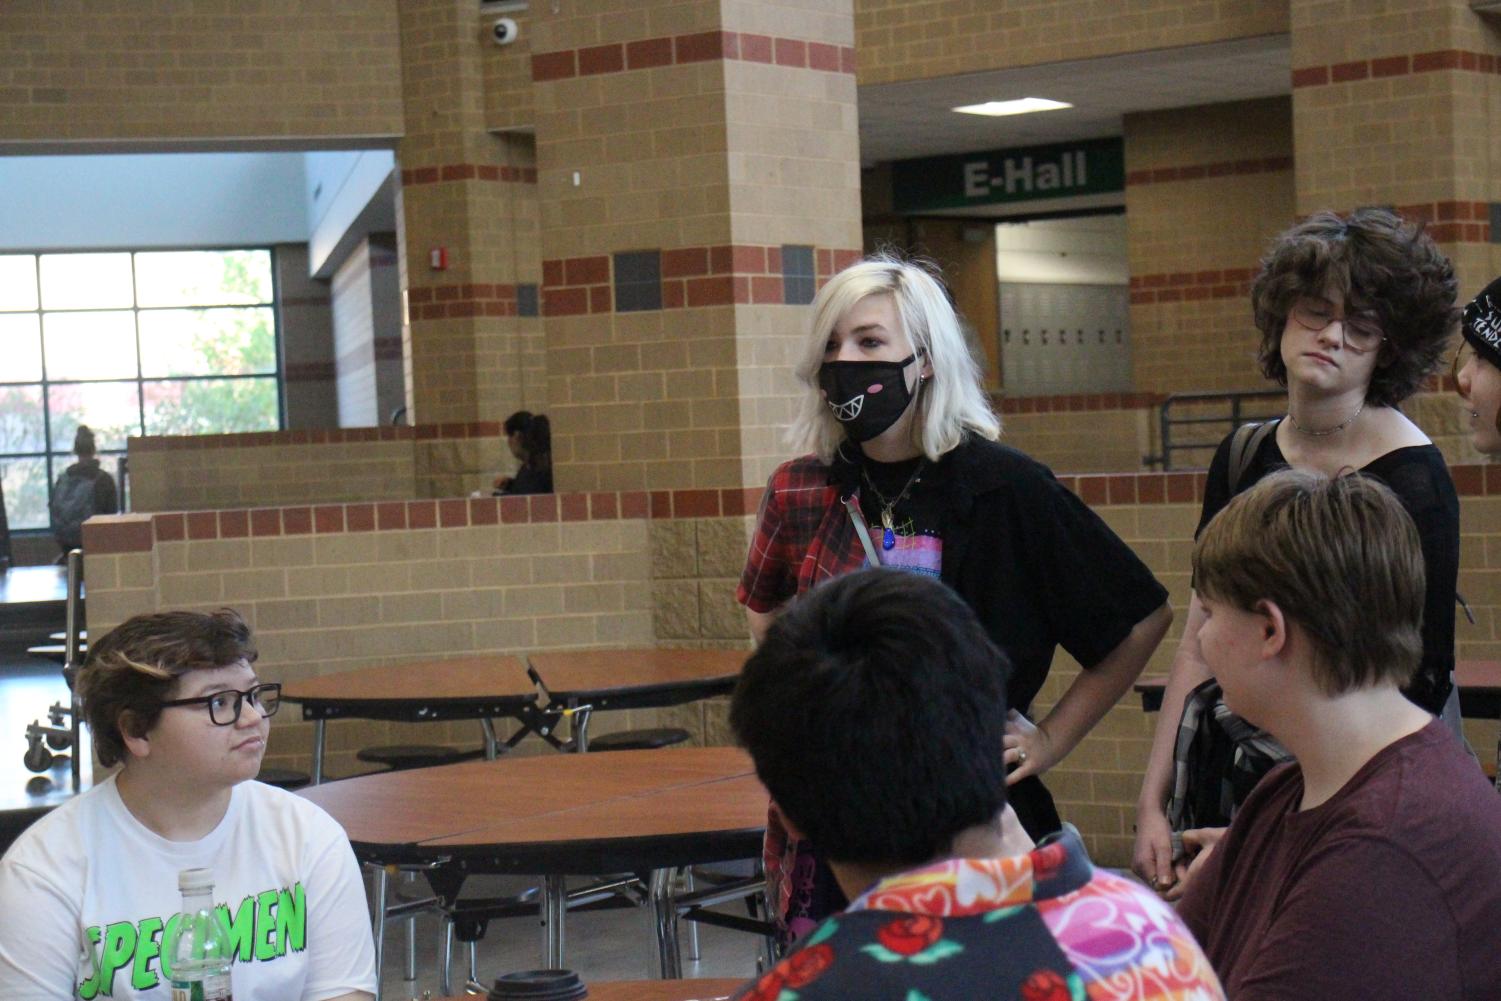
column 1044, row 926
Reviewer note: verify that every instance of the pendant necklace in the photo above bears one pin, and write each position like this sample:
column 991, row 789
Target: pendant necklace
column 1324, row 434
column 888, row 525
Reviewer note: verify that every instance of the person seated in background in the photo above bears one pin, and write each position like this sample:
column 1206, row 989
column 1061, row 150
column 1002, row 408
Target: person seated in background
column 85, row 892
column 873, row 710
column 82, row 491
column 529, row 437
column 1370, row 866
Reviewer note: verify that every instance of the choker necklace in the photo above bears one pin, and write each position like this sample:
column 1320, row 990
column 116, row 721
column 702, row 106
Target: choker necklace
column 888, row 526
column 1324, row 434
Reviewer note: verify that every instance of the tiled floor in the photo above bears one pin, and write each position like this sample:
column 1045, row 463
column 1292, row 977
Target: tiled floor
column 599, row 945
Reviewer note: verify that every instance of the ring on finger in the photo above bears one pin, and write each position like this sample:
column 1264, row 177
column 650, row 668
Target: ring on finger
column 1021, row 757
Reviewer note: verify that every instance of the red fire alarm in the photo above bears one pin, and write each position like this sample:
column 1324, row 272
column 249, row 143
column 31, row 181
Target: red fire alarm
column 438, row 258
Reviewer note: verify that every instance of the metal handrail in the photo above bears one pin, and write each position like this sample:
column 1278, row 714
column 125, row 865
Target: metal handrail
column 1236, row 416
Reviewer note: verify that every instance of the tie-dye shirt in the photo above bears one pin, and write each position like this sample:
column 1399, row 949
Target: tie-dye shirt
column 1044, row 926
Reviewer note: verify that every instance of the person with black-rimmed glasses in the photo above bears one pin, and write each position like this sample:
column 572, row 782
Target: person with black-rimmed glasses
column 89, row 891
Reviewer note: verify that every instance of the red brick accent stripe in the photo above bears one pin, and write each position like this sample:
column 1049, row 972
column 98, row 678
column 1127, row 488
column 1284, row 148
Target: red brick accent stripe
column 1390, row 66
column 1223, row 168
column 448, row 172
column 315, row 436
column 677, row 50
column 437, row 302
column 719, row 275
column 1186, row 286
column 1451, row 221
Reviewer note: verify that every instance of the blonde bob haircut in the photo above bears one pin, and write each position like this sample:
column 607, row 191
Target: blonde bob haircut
column 949, row 404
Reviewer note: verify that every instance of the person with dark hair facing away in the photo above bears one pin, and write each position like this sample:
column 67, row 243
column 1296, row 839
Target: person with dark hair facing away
column 1354, row 314
column 1371, row 867
column 87, row 891
column 82, row 491
column 529, row 436
column 872, row 710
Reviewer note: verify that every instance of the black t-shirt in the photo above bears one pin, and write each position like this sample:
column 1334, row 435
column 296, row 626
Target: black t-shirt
column 1420, row 479
column 1039, row 568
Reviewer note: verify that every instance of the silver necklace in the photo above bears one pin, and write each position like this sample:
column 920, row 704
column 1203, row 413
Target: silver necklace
column 888, row 524
column 1324, row 434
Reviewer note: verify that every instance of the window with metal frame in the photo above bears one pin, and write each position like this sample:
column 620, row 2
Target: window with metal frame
column 149, row 342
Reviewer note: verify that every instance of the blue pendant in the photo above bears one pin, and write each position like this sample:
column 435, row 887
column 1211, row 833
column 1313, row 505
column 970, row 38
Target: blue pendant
column 888, row 540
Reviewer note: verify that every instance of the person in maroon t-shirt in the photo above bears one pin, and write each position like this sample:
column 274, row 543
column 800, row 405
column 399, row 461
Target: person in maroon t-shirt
column 1371, row 867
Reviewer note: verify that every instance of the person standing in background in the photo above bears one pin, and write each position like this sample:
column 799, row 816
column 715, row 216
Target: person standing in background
column 82, row 491
column 905, row 471
column 1355, row 313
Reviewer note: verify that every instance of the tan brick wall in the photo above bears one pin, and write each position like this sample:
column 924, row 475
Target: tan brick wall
column 898, row 40
column 469, row 355
column 124, row 71
column 1206, row 189
column 324, row 603
column 715, row 133
column 239, row 475
column 1099, row 441
column 1395, row 107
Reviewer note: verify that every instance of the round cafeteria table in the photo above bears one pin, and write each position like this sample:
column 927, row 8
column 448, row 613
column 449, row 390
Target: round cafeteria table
column 558, row 815
column 644, row 678
column 480, row 687
column 653, row 990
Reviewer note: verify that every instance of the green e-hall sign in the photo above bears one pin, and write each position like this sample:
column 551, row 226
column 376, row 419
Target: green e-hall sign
column 1029, row 173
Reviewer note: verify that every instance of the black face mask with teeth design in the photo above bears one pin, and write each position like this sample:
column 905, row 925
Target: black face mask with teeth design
column 867, row 397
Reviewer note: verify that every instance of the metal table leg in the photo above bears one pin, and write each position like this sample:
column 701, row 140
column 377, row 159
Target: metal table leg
column 664, row 922
column 554, row 904
column 580, row 719
column 318, row 728
column 491, row 743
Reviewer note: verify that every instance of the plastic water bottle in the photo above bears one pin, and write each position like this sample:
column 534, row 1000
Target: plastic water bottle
column 198, row 948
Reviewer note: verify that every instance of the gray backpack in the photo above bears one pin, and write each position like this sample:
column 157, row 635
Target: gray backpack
column 72, row 505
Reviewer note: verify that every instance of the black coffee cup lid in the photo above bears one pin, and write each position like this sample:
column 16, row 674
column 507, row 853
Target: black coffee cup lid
column 538, row 985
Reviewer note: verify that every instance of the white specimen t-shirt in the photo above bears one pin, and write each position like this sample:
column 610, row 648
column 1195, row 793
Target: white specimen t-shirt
column 86, row 894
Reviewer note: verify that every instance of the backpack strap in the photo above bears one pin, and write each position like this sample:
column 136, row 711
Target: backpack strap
column 1244, row 445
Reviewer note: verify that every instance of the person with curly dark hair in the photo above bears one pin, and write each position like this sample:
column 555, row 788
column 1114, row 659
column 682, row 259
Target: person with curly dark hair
column 1354, row 313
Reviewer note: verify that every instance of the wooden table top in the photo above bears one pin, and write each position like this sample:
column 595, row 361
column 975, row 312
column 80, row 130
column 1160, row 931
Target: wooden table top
column 485, row 678
column 541, row 804
column 591, row 674
column 1479, row 688
column 653, row 990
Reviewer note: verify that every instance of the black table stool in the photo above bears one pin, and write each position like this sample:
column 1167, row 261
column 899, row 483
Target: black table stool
column 646, row 739
column 399, row 757
column 284, row 778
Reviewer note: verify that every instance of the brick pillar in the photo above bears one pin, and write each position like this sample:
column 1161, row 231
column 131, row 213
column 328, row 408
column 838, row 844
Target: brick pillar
column 1395, row 110
column 698, row 168
column 471, row 350
column 1206, row 189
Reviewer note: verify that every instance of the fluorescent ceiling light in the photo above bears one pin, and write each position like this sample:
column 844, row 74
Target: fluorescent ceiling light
column 1021, row 106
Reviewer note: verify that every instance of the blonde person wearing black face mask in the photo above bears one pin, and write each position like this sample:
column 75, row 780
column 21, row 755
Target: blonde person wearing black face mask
column 904, row 470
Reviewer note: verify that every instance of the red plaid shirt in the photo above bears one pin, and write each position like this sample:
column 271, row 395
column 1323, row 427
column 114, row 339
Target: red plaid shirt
column 803, row 536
